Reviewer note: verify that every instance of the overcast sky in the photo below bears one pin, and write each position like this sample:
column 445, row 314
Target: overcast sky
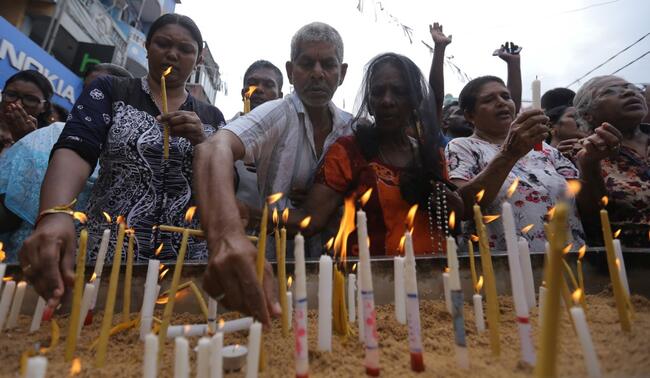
column 562, row 39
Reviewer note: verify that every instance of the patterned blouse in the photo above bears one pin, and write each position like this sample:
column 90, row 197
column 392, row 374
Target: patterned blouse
column 345, row 170
column 113, row 122
column 542, row 180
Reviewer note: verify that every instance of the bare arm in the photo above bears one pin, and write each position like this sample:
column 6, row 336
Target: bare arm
column 321, row 203
column 436, row 76
column 49, row 250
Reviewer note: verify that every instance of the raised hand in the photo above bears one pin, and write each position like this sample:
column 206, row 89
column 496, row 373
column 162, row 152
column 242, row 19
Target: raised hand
column 508, row 52
column 437, row 35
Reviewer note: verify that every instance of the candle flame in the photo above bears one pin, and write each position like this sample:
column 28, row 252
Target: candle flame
column 581, row 252
column 163, row 299
column 573, row 187
column 162, row 266
column 120, row 219
column 452, row 220
column 289, row 282
column 527, row 228
column 329, row 243
column 305, row 222
column 617, row 233
column 490, row 218
column 163, row 274
column 221, row 323
column 108, row 217
column 75, row 368
column 411, row 215
column 604, row 201
column 354, row 267
column 479, row 284
column 567, row 249
column 273, row 198
column 3, row 255
column 577, row 294
column 189, row 214
column 159, row 249
column 275, row 216
column 479, row 195
column 7, row 279
column 81, row 217
column 250, row 91
column 93, row 277
column 130, row 232
column 550, row 213
column 513, row 187
column 365, row 197
column 167, row 71
column 474, row 238
column 402, row 240
column 285, row 215
column 446, row 270
column 345, row 229
column 236, row 346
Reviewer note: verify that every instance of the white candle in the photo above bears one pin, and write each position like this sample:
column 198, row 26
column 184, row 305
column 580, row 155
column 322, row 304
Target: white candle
column 447, row 291
column 192, row 330
column 216, row 356
column 149, row 298
column 88, row 295
column 325, row 303
column 7, row 296
column 289, row 308
column 38, row 315
column 527, row 272
column 254, row 348
column 12, row 321
column 517, row 284
column 352, row 303
column 101, row 254
column 456, row 297
column 400, row 299
column 588, row 351
column 301, row 352
column 212, row 314
column 479, row 319
column 621, row 265
column 412, row 305
column 203, row 358
column 181, row 358
column 97, row 283
column 3, row 268
column 360, row 321
column 368, row 298
column 234, row 357
column 150, row 365
column 536, row 88
column 36, row 367
column 542, row 299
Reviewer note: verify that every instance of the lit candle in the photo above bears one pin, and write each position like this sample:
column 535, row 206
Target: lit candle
column 517, row 284
column 621, row 265
column 203, row 358
column 352, row 304
column 234, row 357
column 361, row 320
column 581, row 279
column 261, row 243
column 38, row 315
column 542, row 299
column 588, row 351
column 163, row 95
column 281, row 250
column 7, row 295
column 99, row 268
column 12, row 320
column 150, row 365
column 212, row 315
column 613, row 272
column 36, row 367
column 216, row 356
column 254, row 350
column 446, row 290
column 128, row 274
column 478, row 307
column 3, row 268
column 289, row 297
column 88, row 295
column 536, row 87
column 368, row 298
column 457, row 304
column 149, row 299
column 413, row 306
column 527, row 273
column 75, row 314
column 300, row 311
column 400, row 299
column 325, row 303
column 181, row 357
column 247, row 98
column 107, row 320
column 472, row 263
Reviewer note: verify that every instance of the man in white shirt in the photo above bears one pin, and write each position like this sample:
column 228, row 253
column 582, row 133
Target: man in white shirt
column 286, row 139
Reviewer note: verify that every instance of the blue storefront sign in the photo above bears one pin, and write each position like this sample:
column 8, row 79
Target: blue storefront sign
column 18, row 52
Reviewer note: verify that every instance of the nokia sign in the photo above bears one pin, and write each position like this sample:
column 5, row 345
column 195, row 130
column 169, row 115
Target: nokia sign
column 18, row 52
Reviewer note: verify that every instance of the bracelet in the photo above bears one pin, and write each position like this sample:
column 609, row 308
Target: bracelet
column 65, row 209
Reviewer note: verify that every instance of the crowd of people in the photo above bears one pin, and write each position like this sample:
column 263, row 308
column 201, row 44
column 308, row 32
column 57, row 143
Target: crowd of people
column 404, row 143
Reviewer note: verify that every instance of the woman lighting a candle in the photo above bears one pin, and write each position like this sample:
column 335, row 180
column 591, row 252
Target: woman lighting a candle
column 118, row 123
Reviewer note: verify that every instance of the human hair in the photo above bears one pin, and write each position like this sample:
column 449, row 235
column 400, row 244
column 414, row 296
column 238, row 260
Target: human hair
column 554, row 115
column 557, row 97
column 261, row 64
column 469, row 93
column 416, row 180
column 60, row 111
column 110, row 68
column 43, row 84
column 317, row 32
column 586, row 97
column 177, row 19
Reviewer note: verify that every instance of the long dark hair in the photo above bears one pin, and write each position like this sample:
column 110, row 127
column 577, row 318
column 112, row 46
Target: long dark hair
column 416, row 181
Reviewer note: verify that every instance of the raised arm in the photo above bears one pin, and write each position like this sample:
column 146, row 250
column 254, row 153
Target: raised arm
column 436, row 76
column 509, row 52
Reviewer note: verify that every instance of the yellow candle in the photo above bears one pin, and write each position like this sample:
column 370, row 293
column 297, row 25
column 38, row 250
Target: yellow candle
column 194, row 232
column 71, row 340
column 100, row 357
column 128, row 273
column 247, row 105
column 554, row 281
column 261, row 243
column 490, row 283
column 614, row 276
column 282, row 281
column 340, row 308
column 169, row 306
column 163, row 95
column 472, row 264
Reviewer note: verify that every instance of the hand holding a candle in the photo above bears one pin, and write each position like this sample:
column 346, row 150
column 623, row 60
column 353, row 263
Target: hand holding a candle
column 528, row 129
column 603, row 143
column 184, row 124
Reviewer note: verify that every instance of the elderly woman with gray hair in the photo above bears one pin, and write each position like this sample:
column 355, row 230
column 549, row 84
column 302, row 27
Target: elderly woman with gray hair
column 612, row 109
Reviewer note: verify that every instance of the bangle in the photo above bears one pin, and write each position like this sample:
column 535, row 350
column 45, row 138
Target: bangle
column 65, row 209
